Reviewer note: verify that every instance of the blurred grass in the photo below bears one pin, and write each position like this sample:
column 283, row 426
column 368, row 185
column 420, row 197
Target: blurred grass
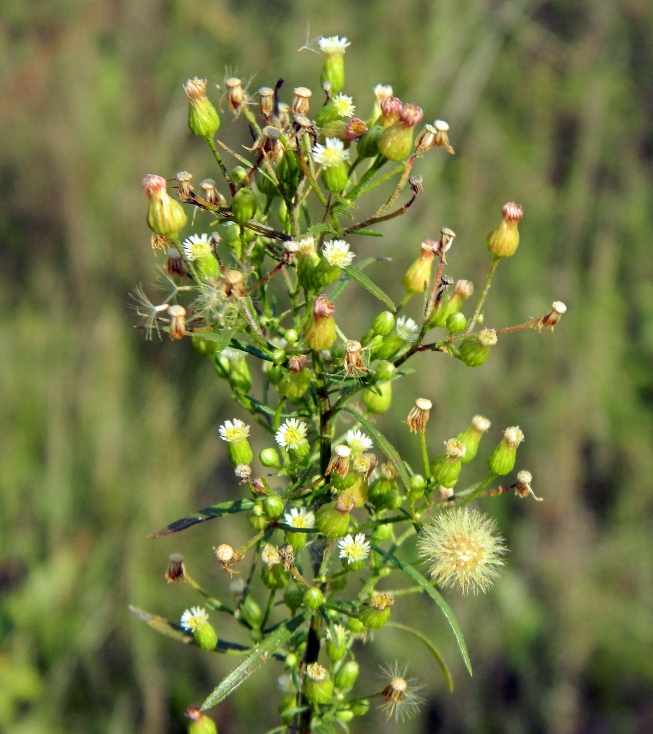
column 105, row 438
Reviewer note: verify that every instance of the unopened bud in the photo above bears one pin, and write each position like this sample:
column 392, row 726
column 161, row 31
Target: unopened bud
column 203, row 119
column 502, row 460
column 199, row 722
column 165, row 216
column 504, row 240
column 475, row 349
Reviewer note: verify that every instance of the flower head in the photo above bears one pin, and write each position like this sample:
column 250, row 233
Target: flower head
column 358, row 441
column 233, row 431
column 463, row 549
column 333, row 44
column 337, row 253
column 193, row 618
column 291, row 434
column 400, row 694
column 454, row 449
column 407, row 329
column 197, row 247
column 299, row 517
column 354, row 548
column 331, row 154
column 344, row 105
column 513, row 436
column 270, row 555
column 381, row 91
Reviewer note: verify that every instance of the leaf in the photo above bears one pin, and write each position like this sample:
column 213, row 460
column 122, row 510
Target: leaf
column 208, row 513
column 260, row 655
column 417, row 577
column 321, row 227
column 388, row 449
column 369, row 232
column 370, row 286
column 432, row 648
column 163, row 626
column 222, row 338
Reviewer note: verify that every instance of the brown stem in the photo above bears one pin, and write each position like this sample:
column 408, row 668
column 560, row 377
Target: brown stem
column 375, row 219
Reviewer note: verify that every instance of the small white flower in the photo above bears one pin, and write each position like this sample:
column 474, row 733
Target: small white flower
column 337, row 253
column 344, row 105
column 381, row 91
column 270, row 555
column 513, row 436
column 358, row 441
column 333, row 45
column 193, row 618
column 337, row 634
column 292, row 434
column 197, row 247
column 299, row 518
column 332, row 154
column 233, row 431
column 306, row 245
column 407, row 329
column 354, row 549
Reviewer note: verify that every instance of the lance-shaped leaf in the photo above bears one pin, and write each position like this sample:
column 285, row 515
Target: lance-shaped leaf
column 369, row 285
column 432, row 649
column 258, row 657
column 417, row 577
column 208, row 513
column 388, row 449
column 220, row 338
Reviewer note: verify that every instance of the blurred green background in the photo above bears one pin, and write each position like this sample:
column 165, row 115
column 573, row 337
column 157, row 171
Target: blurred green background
column 105, row 437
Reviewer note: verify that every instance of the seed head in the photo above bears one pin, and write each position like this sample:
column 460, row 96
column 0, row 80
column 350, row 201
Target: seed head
column 300, row 104
column 339, row 462
column 176, row 570
column 400, row 694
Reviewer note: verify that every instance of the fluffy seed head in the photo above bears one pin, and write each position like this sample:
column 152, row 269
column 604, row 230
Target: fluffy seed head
column 400, row 697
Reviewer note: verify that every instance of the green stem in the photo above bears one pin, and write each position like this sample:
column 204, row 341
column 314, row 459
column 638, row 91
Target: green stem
column 402, row 182
column 479, row 488
column 268, row 609
column 484, row 292
column 425, row 455
column 223, row 168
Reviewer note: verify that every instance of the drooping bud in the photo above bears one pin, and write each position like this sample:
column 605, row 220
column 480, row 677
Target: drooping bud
column 332, row 519
column 418, row 275
column 203, row 119
column 320, row 330
column 522, row 486
column 177, row 315
column 235, row 94
column 445, row 468
column 502, row 460
column 377, row 612
column 318, row 686
column 419, row 415
column 550, row 319
column 396, row 141
column 504, row 240
column 475, row 349
column 472, row 435
column 333, row 69
column 165, row 216
column 378, row 400
column 175, row 570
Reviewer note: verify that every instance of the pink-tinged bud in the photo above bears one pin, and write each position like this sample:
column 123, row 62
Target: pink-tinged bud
column 356, row 128
column 390, row 111
column 504, row 240
column 396, row 141
column 320, row 331
column 199, row 722
column 418, row 275
column 203, row 118
column 165, row 216
column 411, row 114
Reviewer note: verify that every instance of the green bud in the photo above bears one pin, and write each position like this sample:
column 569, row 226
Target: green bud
column 294, row 384
column 375, row 614
column 346, row 675
column 273, row 373
column 336, row 649
column 273, row 506
column 360, row 707
column 504, row 240
column 390, row 345
column 257, row 519
column 355, row 625
column 270, row 458
column 396, row 142
column 165, row 215
column 266, row 185
column 287, row 705
column 231, row 239
column 335, row 178
column 475, row 349
column 368, row 144
column 333, row 71
column 384, row 371
column 332, row 519
column 291, row 336
column 203, row 118
column 417, row 486
column 292, row 661
column 318, row 687
column 445, row 468
column 320, row 330
column 344, row 715
column 471, row 436
column 240, row 452
column 383, row 533
column 325, row 274
column 502, row 460
column 383, row 323
column 251, row 611
column 240, row 378
column 293, row 597
column 243, row 205
column 205, row 636
column 289, row 172
column 313, row 598
column 275, row 577
column 376, row 403
column 203, row 346
column 200, row 723
column 206, row 267
column 456, row 322
column 296, row 540
column 238, row 175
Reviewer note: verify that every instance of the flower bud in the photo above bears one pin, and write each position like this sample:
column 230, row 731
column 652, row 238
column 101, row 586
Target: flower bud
column 251, row 611
column 318, row 687
column 462, row 291
column 313, row 598
column 332, row 519
column 368, row 144
column 232, row 240
column 203, row 119
column 384, row 371
column 165, row 216
column 333, row 69
column 375, row 614
column 320, row 330
column 383, row 323
column 416, row 486
column 378, row 402
column 456, row 323
column 504, row 240
column 475, row 349
column 243, row 205
column 199, row 722
column 396, row 141
column 346, row 675
column 293, row 597
column 502, row 460
column 273, row 506
column 289, row 171
column 383, row 489
column 418, row 275
column 471, row 436
column 446, row 467
column 275, row 577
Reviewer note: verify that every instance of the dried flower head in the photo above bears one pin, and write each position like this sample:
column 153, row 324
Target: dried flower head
column 300, row 103
column 522, row 486
column 270, row 555
column 185, row 189
column 400, row 697
column 235, row 94
column 354, row 364
column 177, row 315
column 419, row 415
column 339, row 462
column 175, row 570
column 354, row 549
column 463, row 549
column 291, row 434
column 266, row 101
column 442, row 136
column 551, row 318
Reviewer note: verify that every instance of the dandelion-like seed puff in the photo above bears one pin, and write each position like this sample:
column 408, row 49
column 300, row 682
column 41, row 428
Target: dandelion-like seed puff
column 463, row 549
column 400, row 697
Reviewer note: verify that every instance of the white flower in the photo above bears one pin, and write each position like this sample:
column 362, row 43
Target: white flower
column 270, row 555
column 306, row 245
column 332, row 154
column 344, row 105
column 358, row 441
column 193, row 618
column 197, row 247
column 354, row 549
column 337, row 253
column 292, row 434
column 337, row 634
column 407, row 329
column 513, row 436
column 299, row 518
column 381, row 91
column 333, row 45
column 233, row 431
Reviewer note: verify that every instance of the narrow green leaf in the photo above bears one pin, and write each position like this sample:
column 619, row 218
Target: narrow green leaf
column 432, row 648
column 370, row 286
column 340, row 285
column 163, row 626
column 321, row 227
column 369, row 232
column 222, row 338
column 259, row 655
column 208, row 513
column 388, row 449
column 417, row 577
